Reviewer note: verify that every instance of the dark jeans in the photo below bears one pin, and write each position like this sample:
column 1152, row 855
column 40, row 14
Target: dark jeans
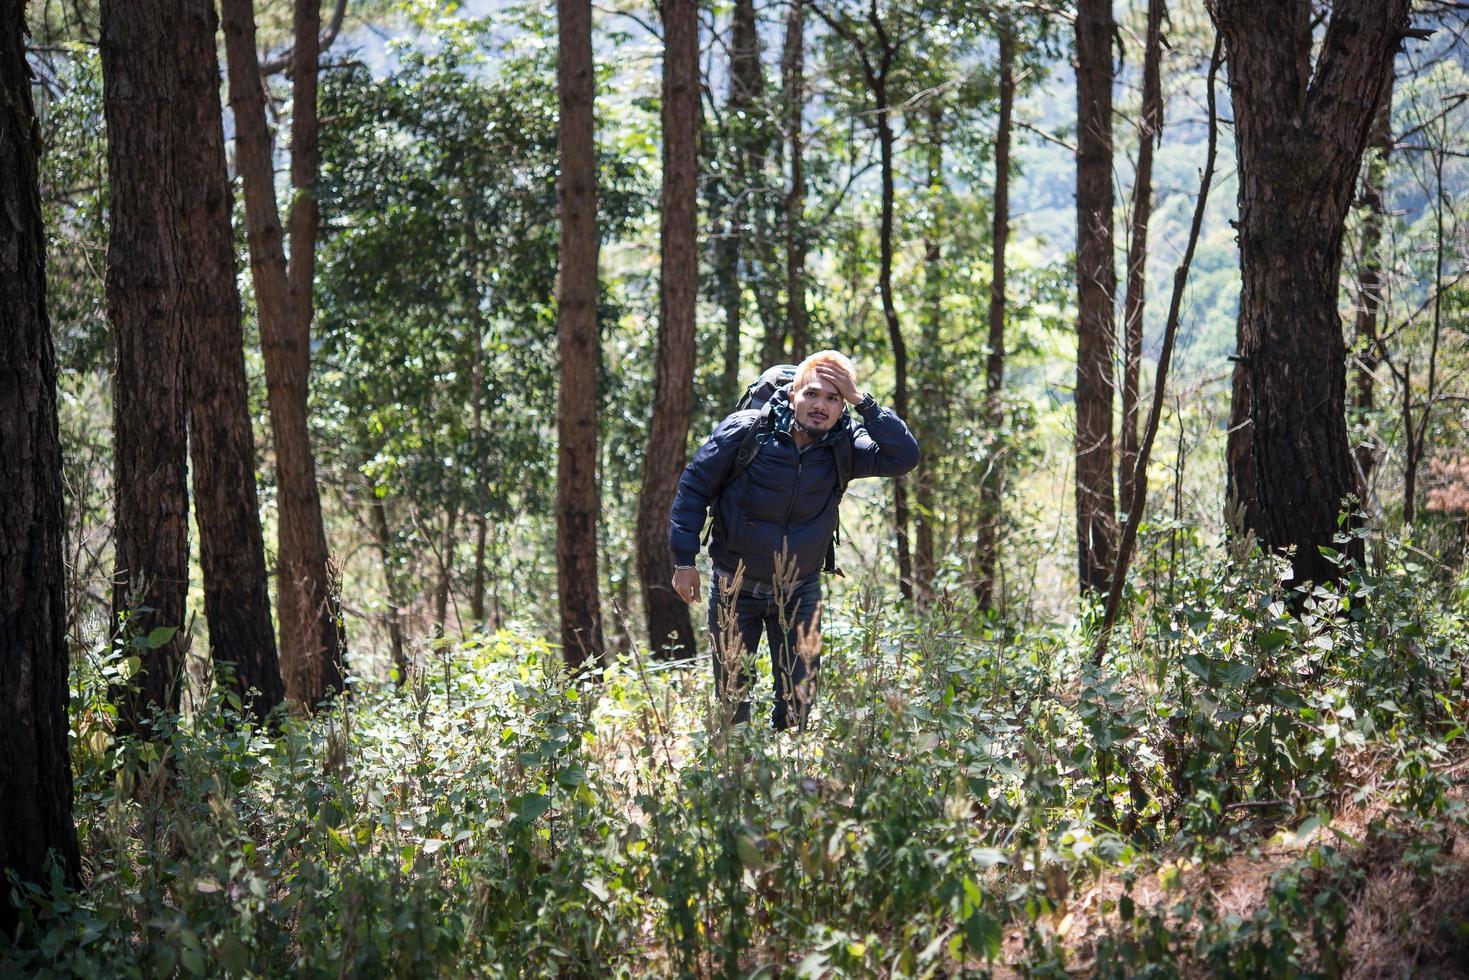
column 792, row 626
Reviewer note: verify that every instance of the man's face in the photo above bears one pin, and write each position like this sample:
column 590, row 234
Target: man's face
column 817, row 404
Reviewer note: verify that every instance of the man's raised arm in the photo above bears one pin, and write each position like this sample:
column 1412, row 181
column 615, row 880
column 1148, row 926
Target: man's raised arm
column 882, row 445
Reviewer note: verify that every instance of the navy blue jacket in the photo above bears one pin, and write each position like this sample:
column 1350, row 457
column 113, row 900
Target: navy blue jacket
column 785, row 500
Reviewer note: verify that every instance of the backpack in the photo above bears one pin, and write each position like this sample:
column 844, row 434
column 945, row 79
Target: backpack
column 757, row 398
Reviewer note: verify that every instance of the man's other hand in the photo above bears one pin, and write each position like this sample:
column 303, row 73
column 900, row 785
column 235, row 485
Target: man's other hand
column 686, row 584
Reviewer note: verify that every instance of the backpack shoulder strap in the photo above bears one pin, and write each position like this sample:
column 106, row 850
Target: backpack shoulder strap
column 749, row 447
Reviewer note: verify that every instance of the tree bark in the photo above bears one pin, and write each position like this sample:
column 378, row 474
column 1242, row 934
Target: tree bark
column 1370, row 284
column 670, row 630
column 1299, row 140
column 578, row 497
column 886, row 138
column 1096, row 519
column 1149, row 129
column 988, row 535
column 35, row 768
column 221, row 441
column 309, row 611
column 923, row 518
column 793, row 78
column 446, row 572
column 382, row 532
column 746, row 84
column 151, row 504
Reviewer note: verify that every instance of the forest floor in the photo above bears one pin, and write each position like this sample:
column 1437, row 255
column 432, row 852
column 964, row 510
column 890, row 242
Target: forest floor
column 1241, row 790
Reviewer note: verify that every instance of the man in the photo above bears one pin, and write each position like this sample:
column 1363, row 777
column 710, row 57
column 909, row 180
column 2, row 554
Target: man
column 774, row 517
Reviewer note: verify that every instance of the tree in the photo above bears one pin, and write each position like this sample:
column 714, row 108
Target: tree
column 1369, row 292
column 1096, row 279
column 578, row 496
column 670, row 631
column 151, row 505
column 876, row 55
column 1300, row 132
column 987, row 539
column 1149, row 130
column 793, row 80
column 221, row 441
column 309, row 616
column 35, row 768
column 745, row 168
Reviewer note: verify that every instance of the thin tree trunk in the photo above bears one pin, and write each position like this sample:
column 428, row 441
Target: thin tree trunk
column 1150, row 128
column 446, row 572
column 1096, row 518
column 1370, row 285
column 477, row 590
column 35, row 768
column 1300, row 136
column 746, row 84
column 1417, row 442
column 476, row 319
column 308, row 609
column 988, row 535
column 578, row 497
column 150, row 588
column 1165, row 357
column 886, row 139
column 383, row 537
column 670, row 629
column 923, row 518
column 793, row 77
column 221, row 441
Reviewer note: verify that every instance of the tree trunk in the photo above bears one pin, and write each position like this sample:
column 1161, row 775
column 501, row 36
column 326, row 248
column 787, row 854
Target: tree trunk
column 987, row 537
column 446, row 572
column 1299, row 139
column 35, row 768
column 670, row 630
column 578, row 497
column 1370, row 284
column 309, row 615
column 150, row 588
column 886, row 139
column 793, row 76
column 381, row 531
column 923, row 518
column 746, row 84
column 1150, row 127
column 221, row 441
column 1096, row 519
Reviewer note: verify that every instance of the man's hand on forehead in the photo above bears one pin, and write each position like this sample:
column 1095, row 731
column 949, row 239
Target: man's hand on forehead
column 839, row 381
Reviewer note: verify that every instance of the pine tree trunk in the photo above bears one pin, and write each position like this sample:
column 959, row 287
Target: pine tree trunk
column 886, row 139
column 1299, row 139
column 383, row 535
column 793, row 75
column 988, row 534
column 929, row 408
column 309, row 616
column 35, row 768
column 746, row 83
column 578, row 496
column 151, row 509
column 670, row 629
column 1370, row 285
column 446, row 572
column 221, row 441
column 1096, row 518
column 1148, row 130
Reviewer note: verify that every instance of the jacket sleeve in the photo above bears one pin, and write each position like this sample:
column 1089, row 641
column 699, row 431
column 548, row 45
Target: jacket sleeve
column 700, row 483
column 882, row 445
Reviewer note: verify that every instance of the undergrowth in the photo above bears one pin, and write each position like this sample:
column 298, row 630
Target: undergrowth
column 960, row 790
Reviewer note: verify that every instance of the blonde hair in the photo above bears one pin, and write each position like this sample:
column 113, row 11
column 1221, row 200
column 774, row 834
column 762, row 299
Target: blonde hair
column 830, row 358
